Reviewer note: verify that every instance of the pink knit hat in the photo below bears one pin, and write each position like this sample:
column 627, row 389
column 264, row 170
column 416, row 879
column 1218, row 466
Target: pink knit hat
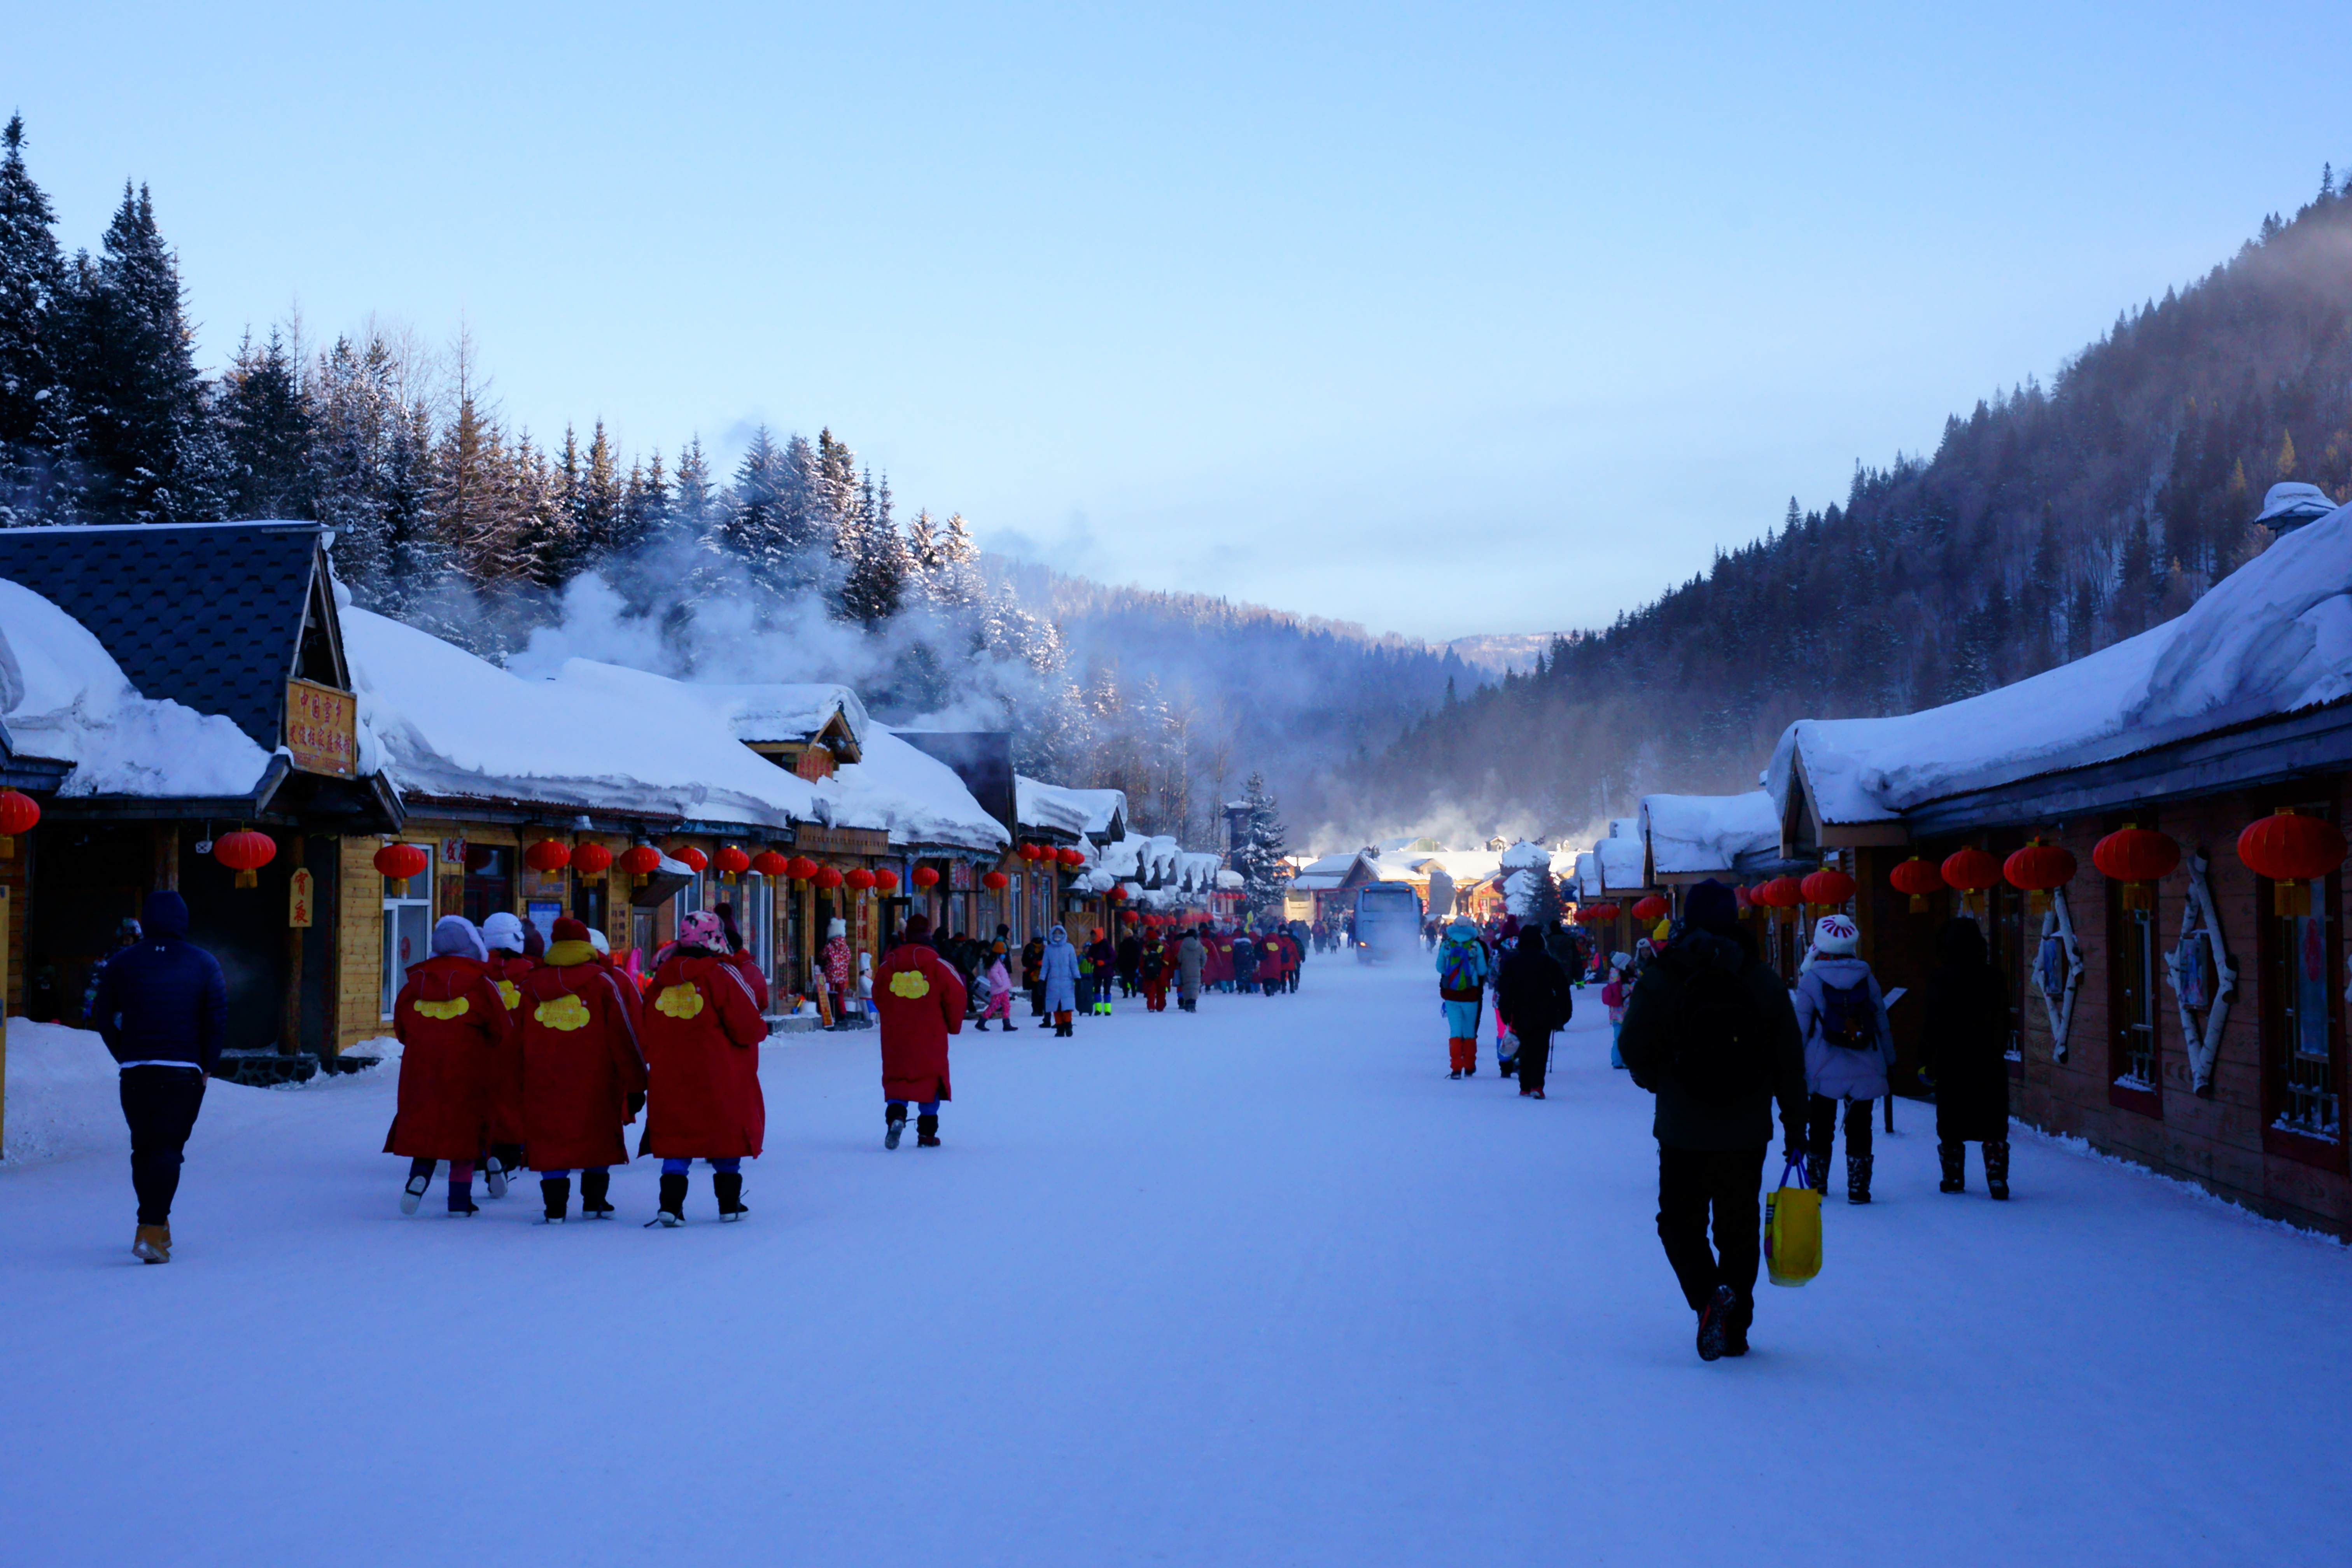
column 702, row 928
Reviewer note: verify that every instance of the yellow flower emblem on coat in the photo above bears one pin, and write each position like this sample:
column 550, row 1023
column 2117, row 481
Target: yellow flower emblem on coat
column 680, row 1001
column 911, row 983
column 510, row 994
column 566, row 1013
column 454, row 1008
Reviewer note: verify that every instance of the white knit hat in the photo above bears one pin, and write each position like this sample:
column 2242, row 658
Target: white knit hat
column 1835, row 936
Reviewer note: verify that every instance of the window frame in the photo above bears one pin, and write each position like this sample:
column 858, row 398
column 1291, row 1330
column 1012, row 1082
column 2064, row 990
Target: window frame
column 2134, row 942
column 2272, row 959
column 388, row 916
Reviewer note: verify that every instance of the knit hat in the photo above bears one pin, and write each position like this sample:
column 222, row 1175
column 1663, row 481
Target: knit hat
column 503, row 931
column 1711, row 906
column 569, row 930
column 596, row 940
column 455, row 936
column 1835, row 936
column 704, row 930
column 918, row 928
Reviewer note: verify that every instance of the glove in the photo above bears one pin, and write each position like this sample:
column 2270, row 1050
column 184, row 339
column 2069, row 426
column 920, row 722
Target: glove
column 636, row 1103
column 1794, row 1155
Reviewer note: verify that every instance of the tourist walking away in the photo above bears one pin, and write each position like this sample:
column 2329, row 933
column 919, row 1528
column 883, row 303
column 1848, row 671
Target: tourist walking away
column 1033, row 975
column 1130, row 964
column 1612, row 996
column 1535, row 995
column 836, row 964
column 453, row 1029
column 1059, row 970
column 1270, row 960
column 1462, row 970
column 702, row 1031
column 1221, row 959
column 1000, row 993
column 1245, row 963
column 918, row 1003
column 1151, row 977
column 508, row 941
column 1192, row 962
column 1506, row 1043
column 1848, row 1048
column 583, row 1072
column 1709, row 1030
column 1964, row 1051
column 1102, row 959
column 161, row 1008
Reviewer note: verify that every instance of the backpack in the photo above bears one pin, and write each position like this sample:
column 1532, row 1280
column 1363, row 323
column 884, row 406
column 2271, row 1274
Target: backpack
column 1460, row 968
column 1847, row 1019
column 1717, row 1037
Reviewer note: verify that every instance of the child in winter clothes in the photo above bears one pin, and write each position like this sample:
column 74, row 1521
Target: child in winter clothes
column 1000, row 994
column 1152, row 974
column 1848, row 1048
column 1462, row 975
column 1612, row 996
column 451, row 1027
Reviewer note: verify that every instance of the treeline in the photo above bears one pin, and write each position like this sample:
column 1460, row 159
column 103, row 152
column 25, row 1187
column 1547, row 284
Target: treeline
column 2047, row 524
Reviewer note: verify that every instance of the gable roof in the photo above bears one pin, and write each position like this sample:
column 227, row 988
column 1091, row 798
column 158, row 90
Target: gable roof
column 210, row 616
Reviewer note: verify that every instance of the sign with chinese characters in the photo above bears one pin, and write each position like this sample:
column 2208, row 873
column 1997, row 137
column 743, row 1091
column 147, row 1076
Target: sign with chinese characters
column 959, row 877
column 322, row 725
column 300, row 902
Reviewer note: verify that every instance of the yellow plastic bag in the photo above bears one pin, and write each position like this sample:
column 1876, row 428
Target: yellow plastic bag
column 1792, row 1231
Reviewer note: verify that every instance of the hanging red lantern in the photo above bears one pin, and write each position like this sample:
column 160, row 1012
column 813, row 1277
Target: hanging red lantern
column 800, row 868
column 886, row 880
column 861, row 878
column 592, row 860
column 641, row 861
column 1651, row 909
column 18, row 813
column 399, row 862
column 1918, row 878
column 1827, row 886
column 2292, row 851
column 731, row 862
column 693, row 859
column 1782, row 893
column 994, row 882
column 1118, row 893
column 1070, row 856
column 547, row 857
column 827, row 877
column 245, row 852
column 2138, row 858
column 2037, row 868
column 770, row 864
column 1032, row 851
column 927, row 877
column 1972, row 871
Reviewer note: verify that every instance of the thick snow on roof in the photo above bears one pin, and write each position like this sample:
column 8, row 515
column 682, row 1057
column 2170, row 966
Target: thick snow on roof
column 1196, row 871
column 65, row 699
column 1102, row 806
column 1123, row 858
column 913, row 794
column 2271, row 639
column 1525, row 856
column 1156, row 856
column 1692, row 834
column 613, row 740
column 2289, row 504
column 1620, row 858
column 783, row 710
column 1588, row 875
column 1040, row 806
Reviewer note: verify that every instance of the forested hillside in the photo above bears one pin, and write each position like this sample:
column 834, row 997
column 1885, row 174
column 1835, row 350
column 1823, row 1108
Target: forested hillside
column 2048, row 523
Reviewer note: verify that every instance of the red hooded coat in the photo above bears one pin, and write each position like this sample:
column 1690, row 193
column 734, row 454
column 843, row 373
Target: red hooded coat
column 582, row 1062
column 919, row 1002
column 507, row 971
column 451, row 1027
column 702, row 1035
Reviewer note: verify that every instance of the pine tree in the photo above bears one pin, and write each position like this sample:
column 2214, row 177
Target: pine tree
column 595, row 499
column 874, row 559
column 1265, row 875
column 753, row 526
column 690, row 506
column 266, row 421
column 32, row 273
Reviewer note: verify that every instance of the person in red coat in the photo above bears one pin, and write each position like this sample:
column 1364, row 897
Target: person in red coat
column 583, row 1072
column 506, row 937
column 451, row 1026
column 702, row 1035
column 919, row 1002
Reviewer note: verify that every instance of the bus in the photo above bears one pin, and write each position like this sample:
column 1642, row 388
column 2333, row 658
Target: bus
column 1388, row 922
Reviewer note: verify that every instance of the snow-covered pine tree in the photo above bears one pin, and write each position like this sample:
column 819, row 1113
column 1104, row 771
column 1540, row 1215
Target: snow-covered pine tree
column 32, row 273
column 266, row 424
column 690, row 503
column 752, row 524
column 874, row 559
column 352, row 415
column 1266, row 876
column 596, row 500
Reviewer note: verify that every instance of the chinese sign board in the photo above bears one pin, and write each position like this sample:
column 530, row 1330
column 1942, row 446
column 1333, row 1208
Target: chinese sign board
column 321, row 729
column 299, row 899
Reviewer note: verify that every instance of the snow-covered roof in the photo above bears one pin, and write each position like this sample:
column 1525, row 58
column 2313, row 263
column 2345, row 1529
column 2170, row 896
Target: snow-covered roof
column 914, row 795
column 1196, row 871
column 64, row 698
column 2271, row 639
column 2291, row 504
column 1104, row 808
column 455, row 726
column 1525, row 854
column 1619, row 857
column 1122, row 857
column 1704, row 834
column 778, row 710
column 1156, row 856
column 1588, row 875
column 1041, row 807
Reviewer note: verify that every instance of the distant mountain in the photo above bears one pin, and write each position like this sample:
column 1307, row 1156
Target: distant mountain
column 1496, row 652
column 2046, row 525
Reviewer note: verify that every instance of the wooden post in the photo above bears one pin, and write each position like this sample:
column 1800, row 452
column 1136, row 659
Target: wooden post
column 167, row 857
column 289, row 1022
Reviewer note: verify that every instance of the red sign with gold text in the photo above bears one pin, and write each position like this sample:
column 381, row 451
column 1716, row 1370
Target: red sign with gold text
column 322, row 725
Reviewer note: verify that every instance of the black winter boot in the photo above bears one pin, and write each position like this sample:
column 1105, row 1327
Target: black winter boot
column 1954, row 1159
column 1857, row 1178
column 672, row 1212
column 894, row 1125
column 594, row 1186
column 1735, row 1328
column 728, row 1185
column 1817, row 1170
column 557, row 1193
column 926, row 1132
column 1995, row 1156
column 1715, row 1323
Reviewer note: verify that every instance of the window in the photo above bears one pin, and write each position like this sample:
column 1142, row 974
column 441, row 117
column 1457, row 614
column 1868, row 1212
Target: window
column 2305, row 1038
column 407, row 929
column 2135, row 1004
column 490, row 887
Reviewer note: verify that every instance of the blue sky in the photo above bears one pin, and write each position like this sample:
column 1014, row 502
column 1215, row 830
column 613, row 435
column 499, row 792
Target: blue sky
column 1451, row 320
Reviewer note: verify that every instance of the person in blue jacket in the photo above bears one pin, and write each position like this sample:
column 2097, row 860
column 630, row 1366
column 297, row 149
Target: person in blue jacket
column 161, row 1008
column 1059, row 971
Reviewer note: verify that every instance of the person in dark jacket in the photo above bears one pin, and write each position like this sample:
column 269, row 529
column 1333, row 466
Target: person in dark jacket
column 1033, row 975
column 1965, row 1052
column 161, row 1008
column 1710, row 1030
column 126, row 935
column 1534, row 997
column 1130, row 964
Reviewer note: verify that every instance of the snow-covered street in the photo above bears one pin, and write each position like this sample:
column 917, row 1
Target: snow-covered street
column 1255, row 1286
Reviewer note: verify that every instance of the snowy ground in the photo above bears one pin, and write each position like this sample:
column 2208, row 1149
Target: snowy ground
column 1257, row 1286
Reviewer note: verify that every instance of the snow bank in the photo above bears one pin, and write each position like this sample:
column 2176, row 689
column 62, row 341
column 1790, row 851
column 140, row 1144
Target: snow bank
column 2271, row 639
column 65, row 699
column 63, row 1100
column 1710, row 833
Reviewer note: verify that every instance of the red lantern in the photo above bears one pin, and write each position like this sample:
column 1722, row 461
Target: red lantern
column 1918, row 878
column 2294, row 851
column 861, row 878
column 2037, row 868
column 994, row 882
column 732, row 861
column 245, row 852
column 547, row 856
column 592, row 860
column 2138, row 858
column 18, row 813
column 886, row 880
column 827, row 877
column 770, row 864
column 927, row 877
column 1829, row 887
column 641, row 861
column 1651, row 909
column 693, row 859
column 1781, row 893
column 1118, row 893
column 399, row 862
column 1033, row 851
column 800, row 868
column 1070, row 856
column 1971, row 871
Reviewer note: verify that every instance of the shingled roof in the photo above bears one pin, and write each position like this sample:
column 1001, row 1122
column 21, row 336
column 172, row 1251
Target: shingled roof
column 208, row 614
